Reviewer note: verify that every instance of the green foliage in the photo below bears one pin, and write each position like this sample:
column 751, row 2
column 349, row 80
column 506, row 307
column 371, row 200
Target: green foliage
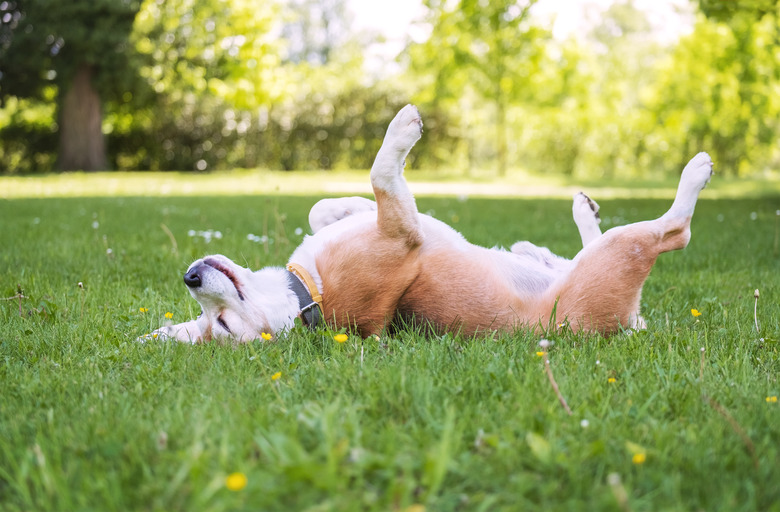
column 43, row 42
column 285, row 84
column 729, row 10
column 595, row 120
column 43, row 45
column 730, row 73
column 90, row 419
column 481, row 52
column 226, row 96
column 28, row 127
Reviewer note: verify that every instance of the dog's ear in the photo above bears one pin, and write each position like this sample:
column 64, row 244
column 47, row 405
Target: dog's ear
column 188, row 332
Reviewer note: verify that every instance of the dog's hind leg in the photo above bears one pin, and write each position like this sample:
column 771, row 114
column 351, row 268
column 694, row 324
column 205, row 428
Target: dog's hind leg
column 603, row 290
column 586, row 215
column 397, row 215
column 328, row 211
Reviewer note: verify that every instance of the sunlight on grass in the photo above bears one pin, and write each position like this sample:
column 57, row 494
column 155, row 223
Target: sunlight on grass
column 422, row 183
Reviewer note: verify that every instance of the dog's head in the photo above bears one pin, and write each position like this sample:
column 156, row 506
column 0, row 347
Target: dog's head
column 235, row 300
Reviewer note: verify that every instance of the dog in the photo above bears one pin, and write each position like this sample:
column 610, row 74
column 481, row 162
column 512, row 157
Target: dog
column 370, row 265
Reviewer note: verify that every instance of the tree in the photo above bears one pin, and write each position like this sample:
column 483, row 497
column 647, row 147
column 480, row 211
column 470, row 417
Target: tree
column 211, row 65
column 728, row 10
column 79, row 47
column 718, row 91
column 489, row 48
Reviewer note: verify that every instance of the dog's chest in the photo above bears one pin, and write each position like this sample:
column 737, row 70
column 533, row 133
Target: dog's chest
column 344, row 234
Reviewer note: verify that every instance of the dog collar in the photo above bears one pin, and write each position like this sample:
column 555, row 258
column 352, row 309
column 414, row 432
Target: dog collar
column 309, row 298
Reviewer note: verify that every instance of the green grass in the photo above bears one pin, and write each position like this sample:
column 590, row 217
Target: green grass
column 423, row 182
column 92, row 420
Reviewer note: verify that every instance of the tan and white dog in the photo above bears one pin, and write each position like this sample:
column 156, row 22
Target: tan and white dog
column 369, row 265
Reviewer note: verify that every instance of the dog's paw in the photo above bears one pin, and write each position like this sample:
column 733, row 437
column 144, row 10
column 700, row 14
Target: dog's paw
column 405, row 129
column 178, row 332
column 698, row 172
column 585, row 209
column 151, row 336
column 636, row 322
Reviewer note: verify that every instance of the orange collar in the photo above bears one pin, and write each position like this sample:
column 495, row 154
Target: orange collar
column 307, row 280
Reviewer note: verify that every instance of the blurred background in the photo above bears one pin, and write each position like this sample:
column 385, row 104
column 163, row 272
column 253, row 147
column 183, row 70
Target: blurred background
column 591, row 89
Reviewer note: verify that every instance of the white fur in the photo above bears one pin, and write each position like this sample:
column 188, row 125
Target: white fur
column 404, row 130
column 585, row 213
column 268, row 305
column 328, row 211
column 694, row 178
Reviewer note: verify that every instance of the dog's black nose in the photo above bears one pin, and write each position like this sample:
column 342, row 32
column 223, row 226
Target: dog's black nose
column 192, row 278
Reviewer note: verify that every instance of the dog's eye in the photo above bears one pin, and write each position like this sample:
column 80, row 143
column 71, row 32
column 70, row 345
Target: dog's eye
column 222, row 323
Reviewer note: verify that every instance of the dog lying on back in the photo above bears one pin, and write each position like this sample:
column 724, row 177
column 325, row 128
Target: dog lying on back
column 369, row 265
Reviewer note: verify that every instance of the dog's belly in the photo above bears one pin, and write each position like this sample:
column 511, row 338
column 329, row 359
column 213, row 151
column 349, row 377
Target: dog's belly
column 471, row 289
column 368, row 279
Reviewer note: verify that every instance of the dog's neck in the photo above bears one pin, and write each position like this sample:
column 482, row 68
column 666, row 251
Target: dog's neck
column 308, row 296
column 278, row 302
column 285, row 296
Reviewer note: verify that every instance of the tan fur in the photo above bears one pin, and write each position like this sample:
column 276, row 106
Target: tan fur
column 370, row 277
column 464, row 294
column 397, row 218
column 604, row 287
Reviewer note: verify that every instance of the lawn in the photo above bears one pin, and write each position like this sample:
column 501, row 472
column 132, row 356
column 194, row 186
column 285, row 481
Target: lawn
column 682, row 416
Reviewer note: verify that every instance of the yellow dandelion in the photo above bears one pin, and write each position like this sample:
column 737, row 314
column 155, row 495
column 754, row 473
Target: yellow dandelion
column 341, row 338
column 695, row 312
column 612, row 380
column 276, row 376
column 143, row 310
column 771, row 399
column 540, row 354
column 265, row 336
column 168, row 315
column 236, row 481
column 639, row 458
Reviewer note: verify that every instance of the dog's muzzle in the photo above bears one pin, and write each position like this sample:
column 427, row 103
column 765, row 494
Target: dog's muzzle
column 192, row 278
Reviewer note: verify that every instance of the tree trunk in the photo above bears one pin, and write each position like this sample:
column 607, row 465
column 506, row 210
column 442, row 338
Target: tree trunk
column 82, row 145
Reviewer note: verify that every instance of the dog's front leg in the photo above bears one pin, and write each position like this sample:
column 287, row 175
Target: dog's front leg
column 188, row 332
column 372, row 276
column 397, row 215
